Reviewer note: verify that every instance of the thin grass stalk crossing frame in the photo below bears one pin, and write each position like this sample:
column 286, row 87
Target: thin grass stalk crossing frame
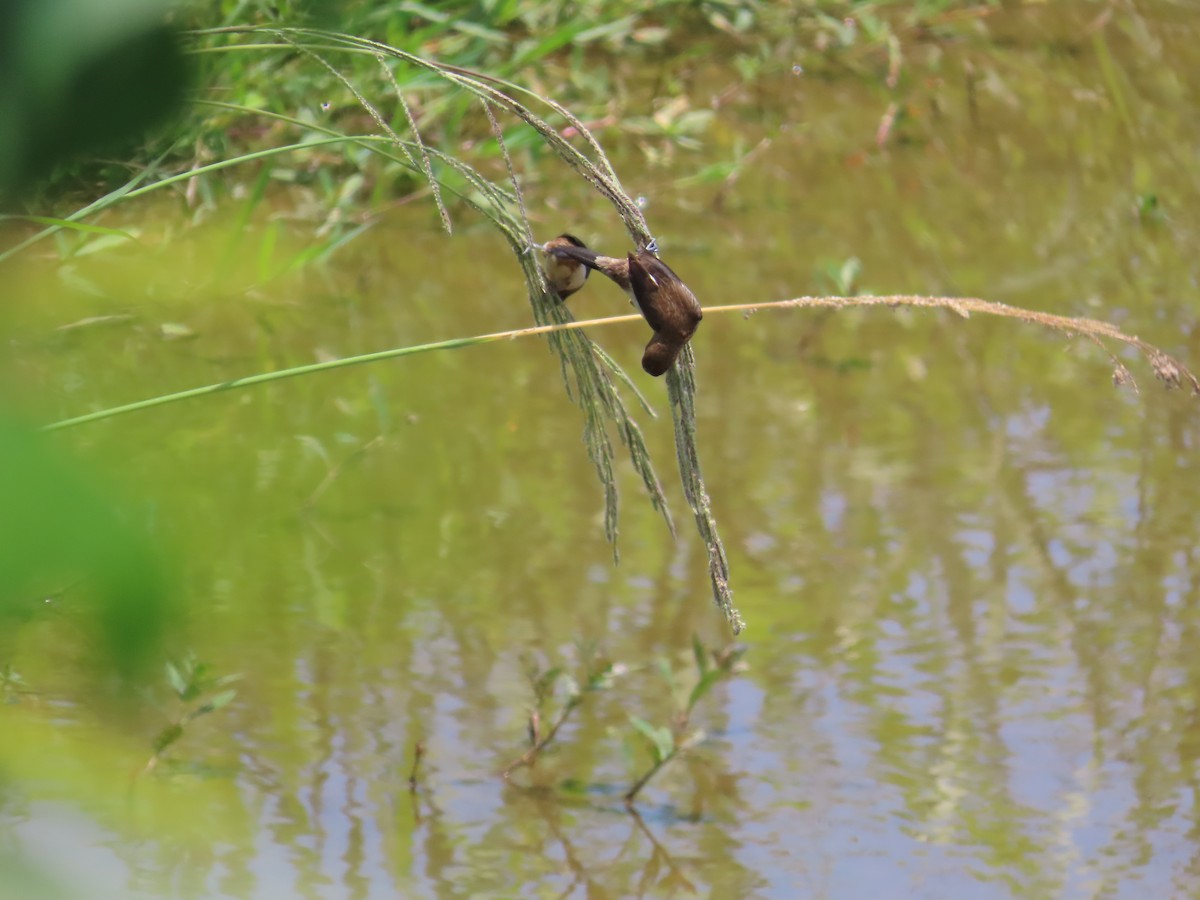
column 681, row 389
column 1168, row 369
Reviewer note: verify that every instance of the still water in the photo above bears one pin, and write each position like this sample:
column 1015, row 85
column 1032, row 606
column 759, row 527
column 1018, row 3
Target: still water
column 966, row 562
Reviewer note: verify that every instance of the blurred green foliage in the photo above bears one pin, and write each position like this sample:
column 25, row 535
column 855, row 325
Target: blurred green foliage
column 62, row 542
column 81, row 76
column 597, row 57
column 77, row 77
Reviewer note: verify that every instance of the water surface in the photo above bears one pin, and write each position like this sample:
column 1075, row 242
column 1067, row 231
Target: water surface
column 966, row 561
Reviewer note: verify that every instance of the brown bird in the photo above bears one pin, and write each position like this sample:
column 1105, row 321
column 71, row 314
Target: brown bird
column 565, row 274
column 665, row 302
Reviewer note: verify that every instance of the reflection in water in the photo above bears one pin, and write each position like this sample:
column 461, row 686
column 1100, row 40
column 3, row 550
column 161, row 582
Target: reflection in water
column 968, row 568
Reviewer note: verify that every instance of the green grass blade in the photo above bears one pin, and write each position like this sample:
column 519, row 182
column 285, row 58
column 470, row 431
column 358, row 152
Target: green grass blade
column 69, row 225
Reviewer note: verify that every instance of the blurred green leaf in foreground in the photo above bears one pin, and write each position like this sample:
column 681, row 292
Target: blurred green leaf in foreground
column 62, row 542
column 76, row 77
column 81, row 76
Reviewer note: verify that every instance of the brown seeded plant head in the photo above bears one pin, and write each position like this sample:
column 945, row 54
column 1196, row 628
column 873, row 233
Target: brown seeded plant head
column 665, row 302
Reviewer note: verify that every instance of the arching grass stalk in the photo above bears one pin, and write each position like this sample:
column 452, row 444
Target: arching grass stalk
column 589, row 378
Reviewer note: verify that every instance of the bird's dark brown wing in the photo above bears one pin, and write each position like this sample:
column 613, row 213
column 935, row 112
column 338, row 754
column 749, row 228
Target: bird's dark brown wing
column 667, row 303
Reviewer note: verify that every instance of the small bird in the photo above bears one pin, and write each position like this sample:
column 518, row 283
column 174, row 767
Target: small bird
column 665, row 302
column 565, row 274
